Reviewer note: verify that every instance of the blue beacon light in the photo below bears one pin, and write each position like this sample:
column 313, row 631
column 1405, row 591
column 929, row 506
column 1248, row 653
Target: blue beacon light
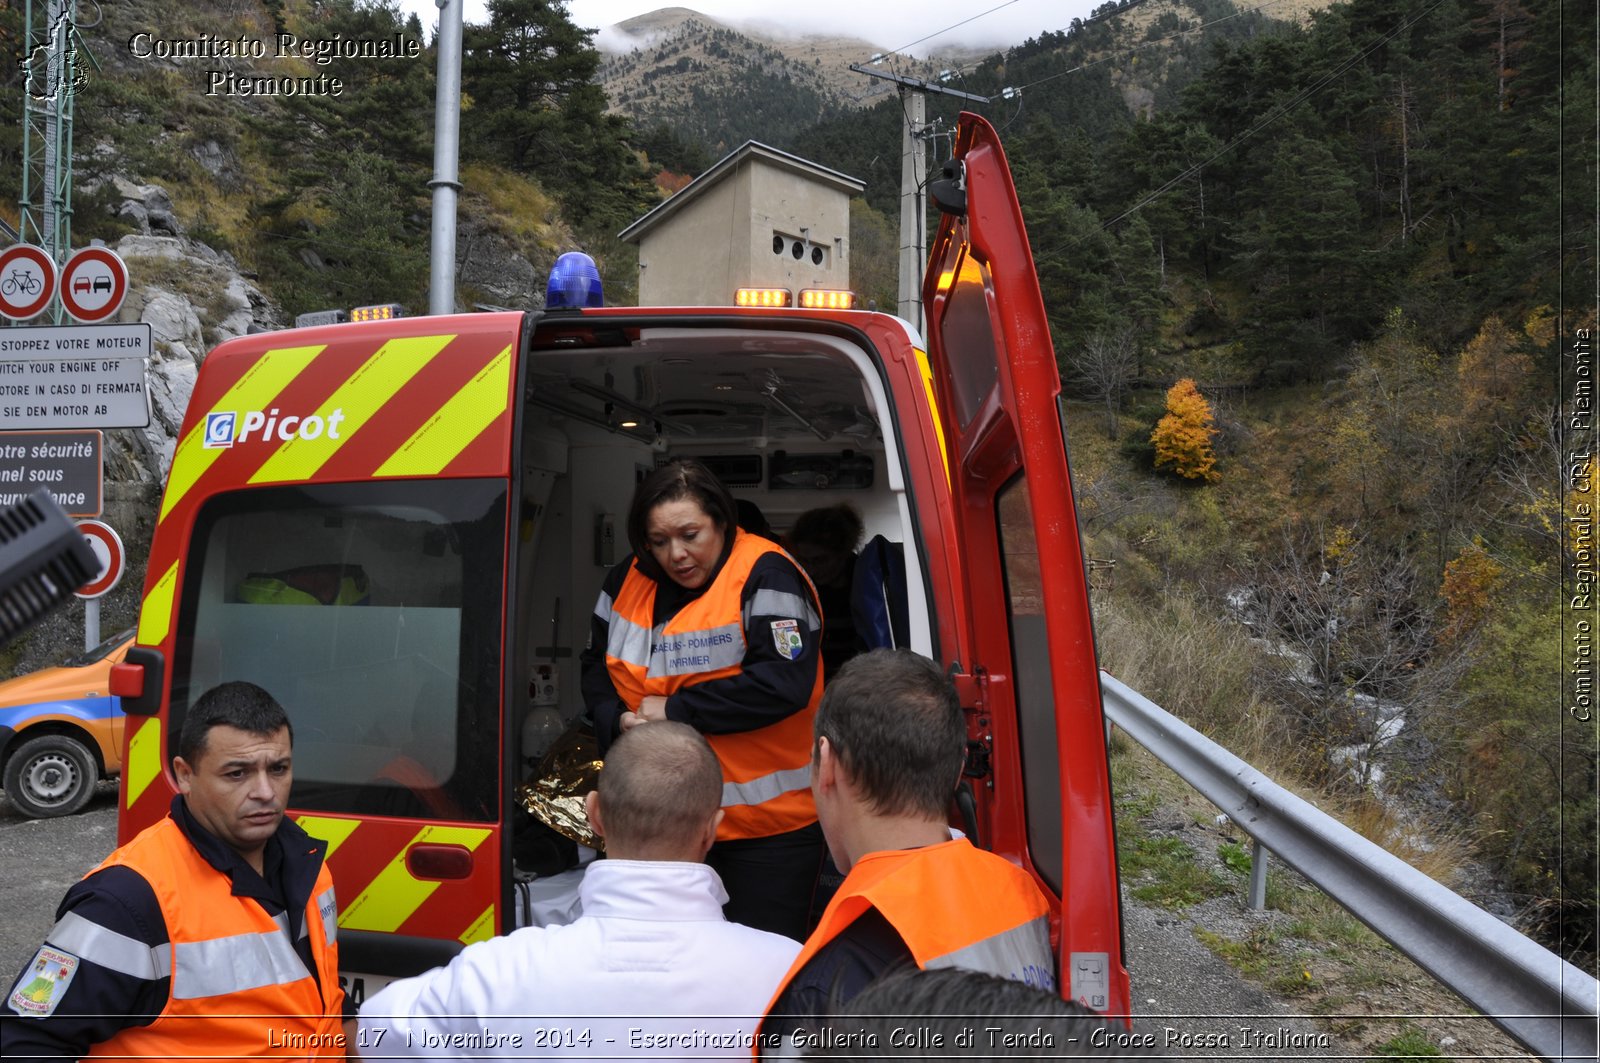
column 574, row 283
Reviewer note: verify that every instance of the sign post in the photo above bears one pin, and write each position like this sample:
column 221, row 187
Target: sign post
column 107, row 547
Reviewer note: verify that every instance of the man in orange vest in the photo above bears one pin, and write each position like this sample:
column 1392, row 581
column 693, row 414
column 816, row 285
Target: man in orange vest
column 211, row 934
column 889, row 747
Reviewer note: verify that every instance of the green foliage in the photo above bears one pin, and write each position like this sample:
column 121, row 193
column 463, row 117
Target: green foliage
column 536, row 110
column 1234, row 857
column 1410, row 1043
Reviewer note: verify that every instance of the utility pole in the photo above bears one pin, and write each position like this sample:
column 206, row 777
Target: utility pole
column 446, row 157
column 913, row 178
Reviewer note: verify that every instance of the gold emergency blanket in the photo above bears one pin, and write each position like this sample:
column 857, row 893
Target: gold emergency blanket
column 569, row 769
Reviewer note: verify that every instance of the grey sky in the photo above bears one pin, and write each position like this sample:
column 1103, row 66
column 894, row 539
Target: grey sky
column 888, row 24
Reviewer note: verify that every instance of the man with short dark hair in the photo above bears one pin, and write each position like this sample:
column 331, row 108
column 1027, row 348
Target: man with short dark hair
column 888, row 753
column 651, row 969
column 179, row 942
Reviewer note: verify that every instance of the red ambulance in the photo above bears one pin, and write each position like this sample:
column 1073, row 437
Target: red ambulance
column 396, row 525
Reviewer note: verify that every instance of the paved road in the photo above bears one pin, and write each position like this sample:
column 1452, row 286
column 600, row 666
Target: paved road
column 1189, row 1002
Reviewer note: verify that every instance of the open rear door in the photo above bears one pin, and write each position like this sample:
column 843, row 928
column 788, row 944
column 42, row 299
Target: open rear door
column 1025, row 659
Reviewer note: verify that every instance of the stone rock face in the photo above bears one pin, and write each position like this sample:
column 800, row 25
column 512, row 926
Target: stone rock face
column 193, row 298
column 146, row 206
column 490, row 271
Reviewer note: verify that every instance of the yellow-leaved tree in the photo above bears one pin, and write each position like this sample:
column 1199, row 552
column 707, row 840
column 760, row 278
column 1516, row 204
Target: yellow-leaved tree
column 1183, row 435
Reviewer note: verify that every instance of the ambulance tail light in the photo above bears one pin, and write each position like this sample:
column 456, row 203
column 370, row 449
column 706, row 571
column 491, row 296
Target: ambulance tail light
column 827, row 299
column 763, row 297
column 127, row 680
column 381, row 312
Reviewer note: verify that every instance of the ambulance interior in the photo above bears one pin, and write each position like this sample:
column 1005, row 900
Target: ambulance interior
column 790, row 421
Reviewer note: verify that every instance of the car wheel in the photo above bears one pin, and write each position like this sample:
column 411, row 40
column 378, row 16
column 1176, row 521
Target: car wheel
column 52, row 775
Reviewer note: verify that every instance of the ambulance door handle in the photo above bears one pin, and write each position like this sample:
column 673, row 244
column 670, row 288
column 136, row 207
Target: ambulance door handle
column 439, row 861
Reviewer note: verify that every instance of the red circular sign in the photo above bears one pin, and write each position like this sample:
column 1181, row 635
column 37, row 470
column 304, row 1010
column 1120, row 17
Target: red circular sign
column 93, row 284
column 27, row 281
column 107, row 546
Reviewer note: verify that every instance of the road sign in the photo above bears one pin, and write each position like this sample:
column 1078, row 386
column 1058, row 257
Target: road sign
column 74, row 376
column 93, row 284
column 107, row 547
column 68, row 464
column 27, row 281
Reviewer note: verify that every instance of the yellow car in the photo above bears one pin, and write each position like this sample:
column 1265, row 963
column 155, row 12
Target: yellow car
column 61, row 731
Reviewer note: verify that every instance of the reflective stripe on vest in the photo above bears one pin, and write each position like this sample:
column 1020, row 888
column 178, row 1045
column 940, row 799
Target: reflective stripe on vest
column 227, row 965
column 230, row 962
column 90, row 941
column 766, row 772
column 953, row 906
column 1015, row 950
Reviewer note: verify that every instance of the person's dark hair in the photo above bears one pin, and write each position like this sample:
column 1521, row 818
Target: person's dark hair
column 678, row 479
column 955, row 1012
column 242, row 705
column 752, row 520
column 894, row 722
column 659, row 786
column 824, row 541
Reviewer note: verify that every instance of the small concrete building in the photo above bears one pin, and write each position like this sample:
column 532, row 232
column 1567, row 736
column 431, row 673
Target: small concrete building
column 759, row 218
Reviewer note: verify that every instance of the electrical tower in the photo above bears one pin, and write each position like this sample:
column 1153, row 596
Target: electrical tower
column 52, row 75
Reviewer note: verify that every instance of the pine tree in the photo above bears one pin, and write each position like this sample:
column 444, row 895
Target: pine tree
column 1183, row 436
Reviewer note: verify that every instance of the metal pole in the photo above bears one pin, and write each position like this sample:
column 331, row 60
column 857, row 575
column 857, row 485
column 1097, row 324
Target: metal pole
column 1258, row 875
column 446, row 154
column 91, row 623
column 913, row 217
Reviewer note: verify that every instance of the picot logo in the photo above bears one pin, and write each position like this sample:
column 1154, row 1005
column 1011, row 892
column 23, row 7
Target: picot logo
column 224, row 427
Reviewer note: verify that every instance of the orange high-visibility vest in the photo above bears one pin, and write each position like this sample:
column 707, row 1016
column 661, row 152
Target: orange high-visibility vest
column 953, row 905
column 766, row 773
column 238, row 986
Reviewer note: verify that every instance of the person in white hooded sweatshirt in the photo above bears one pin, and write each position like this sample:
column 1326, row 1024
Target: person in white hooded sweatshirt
column 651, row 968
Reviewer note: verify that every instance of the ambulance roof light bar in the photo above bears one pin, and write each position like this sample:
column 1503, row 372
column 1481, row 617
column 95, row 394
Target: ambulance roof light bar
column 763, row 297
column 827, row 299
column 381, row 312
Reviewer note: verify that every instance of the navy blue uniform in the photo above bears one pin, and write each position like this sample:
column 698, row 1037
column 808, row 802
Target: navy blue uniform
column 111, row 923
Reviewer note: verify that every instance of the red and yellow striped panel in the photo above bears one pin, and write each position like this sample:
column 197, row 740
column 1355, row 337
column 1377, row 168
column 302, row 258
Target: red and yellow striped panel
column 378, row 893
column 427, row 396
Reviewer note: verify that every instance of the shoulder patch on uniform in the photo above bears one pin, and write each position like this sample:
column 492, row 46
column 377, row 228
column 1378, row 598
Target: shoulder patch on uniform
column 786, row 636
column 45, row 983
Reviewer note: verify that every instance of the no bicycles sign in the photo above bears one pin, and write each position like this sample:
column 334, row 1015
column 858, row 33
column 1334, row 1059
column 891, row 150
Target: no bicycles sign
column 27, row 281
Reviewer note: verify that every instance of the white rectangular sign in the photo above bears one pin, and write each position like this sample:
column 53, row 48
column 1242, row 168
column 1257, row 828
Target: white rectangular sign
column 77, row 376
column 75, row 341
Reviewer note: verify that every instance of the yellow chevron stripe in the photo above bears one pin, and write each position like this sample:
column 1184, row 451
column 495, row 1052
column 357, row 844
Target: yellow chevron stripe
column 253, row 391
column 358, row 399
column 933, row 407
column 334, row 831
column 155, row 615
column 482, row 928
column 391, row 898
column 456, row 423
column 144, row 759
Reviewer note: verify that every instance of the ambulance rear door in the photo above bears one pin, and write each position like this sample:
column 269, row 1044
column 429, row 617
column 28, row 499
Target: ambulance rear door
column 1025, row 658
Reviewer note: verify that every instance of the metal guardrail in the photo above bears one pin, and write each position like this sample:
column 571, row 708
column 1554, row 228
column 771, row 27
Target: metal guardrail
column 1548, row 1005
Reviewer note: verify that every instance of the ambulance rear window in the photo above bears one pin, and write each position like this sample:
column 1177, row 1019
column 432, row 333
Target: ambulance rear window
column 371, row 611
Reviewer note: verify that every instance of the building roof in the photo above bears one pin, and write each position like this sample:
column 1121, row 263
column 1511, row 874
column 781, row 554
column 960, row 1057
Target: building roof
column 727, row 166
